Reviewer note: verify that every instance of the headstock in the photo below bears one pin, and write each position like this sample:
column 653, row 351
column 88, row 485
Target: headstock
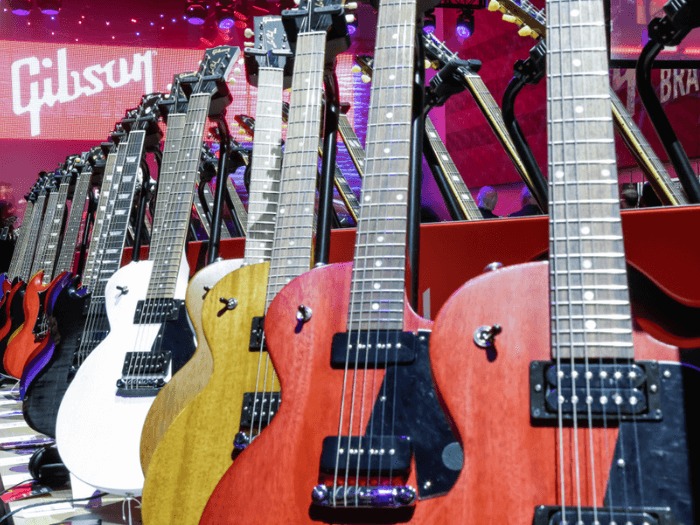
column 523, row 13
column 438, row 55
column 247, row 123
column 175, row 101
column 145, row 117
column 211, row 77
column 270, row 49
column 321, row 15
column 364, row 64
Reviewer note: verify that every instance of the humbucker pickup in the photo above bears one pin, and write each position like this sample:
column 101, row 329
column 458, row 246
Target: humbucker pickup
column 143, row 374
column 157, row 310
column 259, row 409
column 552, row 515
column 378, row 454
column 609, row 391
column 374, row 348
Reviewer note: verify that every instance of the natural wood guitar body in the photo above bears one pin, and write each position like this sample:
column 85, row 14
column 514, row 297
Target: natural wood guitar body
column 22, row 344
column 196, row 449
column 272, row 481
column 184, row 386
column 511, row 466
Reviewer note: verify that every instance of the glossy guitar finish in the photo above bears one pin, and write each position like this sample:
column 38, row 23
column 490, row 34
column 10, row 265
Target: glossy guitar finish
column 20, row 342
column 184, row 386
column 510, row 465
column 284, row 460
column 43, row 352
column 14, row 315
column 196, row 451
column 97, row 431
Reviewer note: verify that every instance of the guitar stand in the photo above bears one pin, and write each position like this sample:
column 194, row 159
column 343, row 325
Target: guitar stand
column 681, row 17
column 529, row 71
column 224, row 150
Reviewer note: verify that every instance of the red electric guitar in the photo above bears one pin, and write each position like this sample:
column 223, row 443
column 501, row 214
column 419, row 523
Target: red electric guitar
column 359, row 436
column 591, row 425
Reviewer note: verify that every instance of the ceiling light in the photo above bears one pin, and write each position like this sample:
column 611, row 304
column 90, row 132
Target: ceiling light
column 21, row 7
column 465, row 24
column 429, row 23
column 224, row 15
column 196, row 13
column 49, row 7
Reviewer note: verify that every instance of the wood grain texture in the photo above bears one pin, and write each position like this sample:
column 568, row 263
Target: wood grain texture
column 511, row 466
column 184, row 386
column 196, row 450
column 271, row 481
column 21, row 344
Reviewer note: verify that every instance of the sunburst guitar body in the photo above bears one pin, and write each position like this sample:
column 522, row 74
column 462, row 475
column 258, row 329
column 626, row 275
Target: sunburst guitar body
column 194, row 375
column 512, row 468
column 196, row 450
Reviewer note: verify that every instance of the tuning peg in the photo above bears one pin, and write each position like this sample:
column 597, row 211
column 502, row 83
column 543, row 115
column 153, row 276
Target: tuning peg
column 349, row 19
column 351, row 5
column 494, row 5
column 169, row 87
column 249, row 44
column 232, row 81
column 237, row 71
column 366, row 78
column 355, row 69
column 248, row 32
column 296, row 2
column 509, row 18
column 428, row 64
column 526, row 30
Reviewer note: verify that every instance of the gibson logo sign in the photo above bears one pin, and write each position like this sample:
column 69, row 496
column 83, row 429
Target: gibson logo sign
column 31, row 90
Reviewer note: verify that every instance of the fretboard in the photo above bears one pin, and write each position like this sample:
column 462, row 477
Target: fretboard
column 32, row 235
column 292, row 247
column 77, row 207
column 265, row 171
column 588, row 283
column 352, row 144
column 238, row 207
column 118, row 208
column 55, row 203
column 455, row 182
column 53, row 236
column 344, row 189
column 638, row 145
column 21, row 245
column 378, row 277
column 176, row 186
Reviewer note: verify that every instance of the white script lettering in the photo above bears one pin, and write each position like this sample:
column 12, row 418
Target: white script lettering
column 24, row 69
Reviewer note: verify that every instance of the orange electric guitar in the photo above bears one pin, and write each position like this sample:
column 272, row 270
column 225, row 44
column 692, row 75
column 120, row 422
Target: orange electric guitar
column 591, row 425
column 359, row 436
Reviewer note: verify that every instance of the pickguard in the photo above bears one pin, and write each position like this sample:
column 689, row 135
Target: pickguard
column 419, row 415
column 655, row 462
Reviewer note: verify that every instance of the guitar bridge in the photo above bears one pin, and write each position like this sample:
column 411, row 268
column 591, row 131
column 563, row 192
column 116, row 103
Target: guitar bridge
column 143, row 374
column 352, row 496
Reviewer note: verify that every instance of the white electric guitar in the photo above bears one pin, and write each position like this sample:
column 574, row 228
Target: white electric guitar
column 100, row 420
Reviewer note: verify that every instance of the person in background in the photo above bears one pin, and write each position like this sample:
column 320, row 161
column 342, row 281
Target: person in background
column 8, row 210
column 528, row 203
column 486, row 201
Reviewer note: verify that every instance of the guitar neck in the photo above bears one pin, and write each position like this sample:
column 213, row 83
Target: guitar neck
column 21, row 245
column 238, row 207
column 53, row 235
column 454, row 180
column 378, row 277
column 292, row 246
column 203, row 217
column 174, row 205
column 589, row 298
column 638, row 145
column 344, row 189
column 75, row 217
column 265, row 171
column 352, row 144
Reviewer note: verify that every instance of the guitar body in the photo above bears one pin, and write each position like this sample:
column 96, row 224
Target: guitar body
column 193, row 377
column 14, row 315
column 196, row 450
column 284, row 459
column 97, row 431
column 20, row 342
column 511, row 466
column 52, row 366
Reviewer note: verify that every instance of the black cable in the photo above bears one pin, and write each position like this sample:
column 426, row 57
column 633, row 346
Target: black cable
column 52, row 502
column 15, row 486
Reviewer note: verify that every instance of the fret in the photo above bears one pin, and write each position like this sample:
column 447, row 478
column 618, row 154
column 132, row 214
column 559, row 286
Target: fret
column 78, row 204
column 174, row 204
column 21, row 246
column 266, row 167
column 48, row 260
column 52, row 207
column 300, row 165
column 238, row 207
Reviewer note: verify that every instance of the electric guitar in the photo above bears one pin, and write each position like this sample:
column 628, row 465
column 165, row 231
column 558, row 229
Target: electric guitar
column 359, row 436
column 591, row 425
column 532, row 22
column 79, row 310
column 64, row 265
column 178, row 487
column 29, row 338
column 151, row 337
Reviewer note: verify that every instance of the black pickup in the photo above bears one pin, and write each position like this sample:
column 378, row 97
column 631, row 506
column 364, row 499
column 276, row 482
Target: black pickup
column 157, row 310
column 376, row 454
column 552, row 515
column 374, row 348
column 143, row 373
column 259, row 409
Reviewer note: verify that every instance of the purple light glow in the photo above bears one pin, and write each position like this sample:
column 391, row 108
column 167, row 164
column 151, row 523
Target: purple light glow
column 428, row 29
column 463, row 31
column 226, row 23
